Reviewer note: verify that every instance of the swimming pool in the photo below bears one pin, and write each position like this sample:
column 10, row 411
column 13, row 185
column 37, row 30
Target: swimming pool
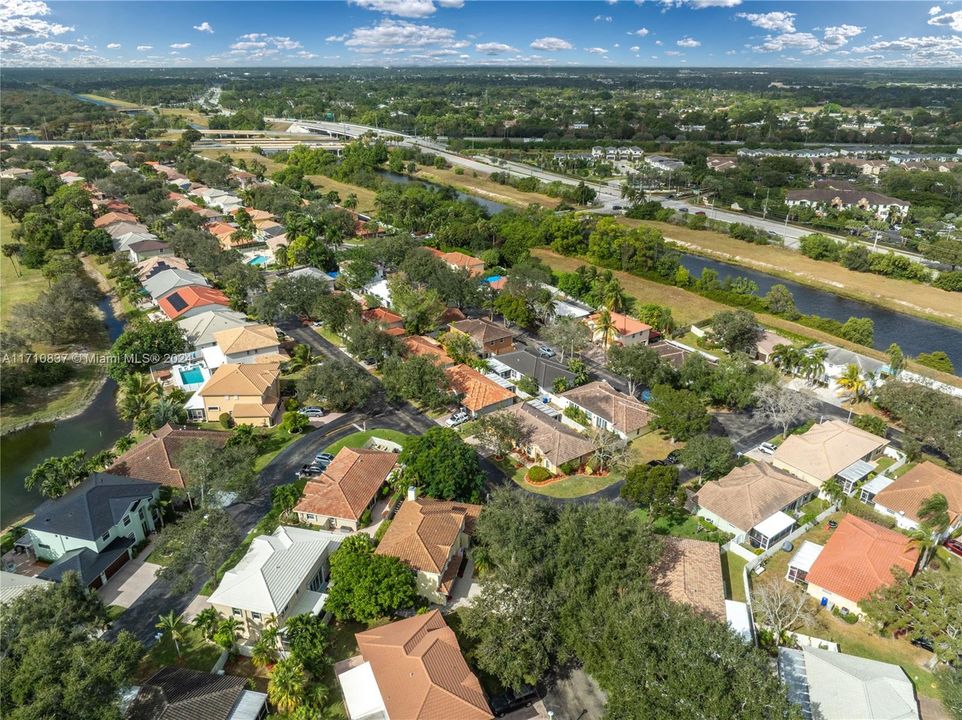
column 257, row 260
column 191, row 376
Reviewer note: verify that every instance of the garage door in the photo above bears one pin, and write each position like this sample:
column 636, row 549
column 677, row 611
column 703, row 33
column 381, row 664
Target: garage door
column 116, row 565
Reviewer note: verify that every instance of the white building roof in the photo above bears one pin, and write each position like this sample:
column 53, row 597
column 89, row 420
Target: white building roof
column 774, row 524
column 877, row 484
column 362, row 697
column 806, row 556
column 274, row 567
column 739, row 619
column 166, row 280
column 249, row 706
column 13, row 585
column 856, row 471
column 200, row 328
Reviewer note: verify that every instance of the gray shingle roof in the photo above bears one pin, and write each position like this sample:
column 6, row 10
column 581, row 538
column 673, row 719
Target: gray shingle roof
column 544, row 372
column 182, row 694
column 91, row 508
column 87, row 563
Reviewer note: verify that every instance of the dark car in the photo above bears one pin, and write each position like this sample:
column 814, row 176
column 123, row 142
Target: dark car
column 924, row 643
column 672, row 459
column 511, row 700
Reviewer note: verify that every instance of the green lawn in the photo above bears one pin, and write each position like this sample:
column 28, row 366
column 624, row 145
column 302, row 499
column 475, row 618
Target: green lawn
column 114, row 612
column 341, row 646
column 684, row 526
column 358, row 439
column 732, row 566
column 18, row 287
column 569, row 487
column 196, row 653
column 331, row 337
column 275, row 440
column 652, row 446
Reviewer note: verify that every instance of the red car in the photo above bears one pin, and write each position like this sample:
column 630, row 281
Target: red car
column 954, row 547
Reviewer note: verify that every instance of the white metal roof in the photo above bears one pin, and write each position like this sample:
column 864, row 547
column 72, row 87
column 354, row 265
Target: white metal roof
column 856, row 471
column 877, row 484
column 739, row 619
column 249, row 706
column 361, row 693
column 13, row 585
column 273, row 569
column 774, row 524
column 806, row 556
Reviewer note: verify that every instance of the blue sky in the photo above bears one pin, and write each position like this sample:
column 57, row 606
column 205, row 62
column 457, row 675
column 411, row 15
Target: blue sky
column 457, row 32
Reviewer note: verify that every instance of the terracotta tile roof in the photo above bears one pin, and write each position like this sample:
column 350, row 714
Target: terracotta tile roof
column 689, row 572
column 395, row 331
column 254, row 410
column 624, row 412
column 348, row 485
column 450, row 315
column 424, row 531
column 482, row 331
column 155, row 457
column 908, row 492
column 421, row 345
column 624, row 325
column 468, row 262
column 477, row 392
column 177, row 302
column 244, row 380
column 749, row 494
column 248, row 337
column 420, row 671
column 556, row 441
column 219, row 229
column 382, row 315
column 858, row 558
column 115, row 217
column 827, row 449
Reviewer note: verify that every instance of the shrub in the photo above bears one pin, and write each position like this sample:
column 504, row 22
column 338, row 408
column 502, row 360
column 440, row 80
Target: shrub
column 577, row 414
column 381, row 529
column 861, row 510
column 225, row 420
column 538, row 474
column 365, row 518
column 569, row 468
column 871, row 423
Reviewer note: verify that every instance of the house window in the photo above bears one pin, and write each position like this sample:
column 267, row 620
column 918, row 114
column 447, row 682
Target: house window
column 237, row 611
column 256, row 615
column 213, row 408
column 127, row 520
column 105, row 536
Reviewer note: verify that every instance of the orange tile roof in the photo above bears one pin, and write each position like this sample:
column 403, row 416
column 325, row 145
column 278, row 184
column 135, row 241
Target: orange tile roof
column 689, row 572
column 468, row 262
column 477, row 392
column 420, row 671
column 219, row 228
column 114, row 217
column 381, row 315
column 420, row 345
column 921, row 482
column 624, row 325
column 190, row 296
column 424, row 531
column 348, row 485
column 858, row 558
column 155, row 457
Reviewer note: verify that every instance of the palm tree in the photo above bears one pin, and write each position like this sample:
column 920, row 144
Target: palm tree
column 833, row 489
column 926, row 542
column 934, row 514
column 264, row 652
column 853, row 381
column 226, row 633
column 301, row 357
column 815, row 364
column 605, row 326
column 207, row 621
column 614, row 297
column 287, row 685
column 350, row 202
column 786, row 358
column 167, row 410
column 171, row 624
column 139, row 392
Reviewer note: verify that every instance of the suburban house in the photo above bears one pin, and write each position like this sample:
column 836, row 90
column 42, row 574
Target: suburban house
column 169, row 280
column 830, row 685
column 489, row 338
column 627, row 330
column 829, row 449
column 145, row 249
column 273, row 276
column 384, row 318
column 415, row 345
column 902, row 497
column 249, row 393
column 459, row 260
column 690, row 572
column 521, row 363
column 94, row 527
column 118, row 230
column 722, row 163
column 767, row 343
column 174, row 693
column 857, row 560
column 754, row 503
column 245, row 344
column 283, row 575
column 346, row 490
column 155, row 457
column 113, row 217
column 477, row 393
column 190, row 300
column 408, row 669
column 70, row 177
column 837, row 195
column 553, row 444
column 432, row 537
column 200, row 329
column 606, row 408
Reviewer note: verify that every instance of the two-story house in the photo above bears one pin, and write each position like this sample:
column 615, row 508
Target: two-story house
column 432, row 537
column 489, row 338
column 626, row 330
column 249, row 393
column 93, row 529
column 244, row 345
column 283, row 575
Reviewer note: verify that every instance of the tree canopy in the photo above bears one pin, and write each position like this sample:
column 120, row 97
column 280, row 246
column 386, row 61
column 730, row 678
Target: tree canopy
column 443, row 466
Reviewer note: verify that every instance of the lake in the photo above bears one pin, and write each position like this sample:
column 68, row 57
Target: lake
column 491, row 206
column 914, row 335
column 97, row 428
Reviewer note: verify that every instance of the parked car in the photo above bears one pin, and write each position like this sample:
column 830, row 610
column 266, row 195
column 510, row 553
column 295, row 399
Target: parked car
column 457, row 418
column 700, row 212
column 954, row 547
column 671, row 459
column 511, row 700
column 310, row 470
column 312, row 411
column 546, row 352
column 767, row 448
column 323, row 459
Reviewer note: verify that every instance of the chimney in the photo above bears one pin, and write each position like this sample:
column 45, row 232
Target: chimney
column 412, row 493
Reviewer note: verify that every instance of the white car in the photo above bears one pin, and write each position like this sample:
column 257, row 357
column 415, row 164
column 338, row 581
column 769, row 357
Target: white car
column 457, row 418
column 767, row 448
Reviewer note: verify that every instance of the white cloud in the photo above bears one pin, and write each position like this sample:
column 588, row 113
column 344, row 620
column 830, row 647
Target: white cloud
column 659, row 42
column 451, row 3
column 603, row 18
column 935, row 10
column 144, row 48
column 39, row 53
column 204, row 27
column 839, row 35
column 688, row 42
column 640, row 32
column 254, row 42
column 494, row 48
column 403, row 8
column 952, row 20
column 22, row 18
column 925, row 50
column 673, row 53
column 774, row 21
column 634, row 48
column 731, row 52
column 180, row 46
column 27, row 8
column 833, row 38
column 399, row 33
column 700, row 4
column 113, row 46
column 553, row 44
column 305, row 55
column 596, row 51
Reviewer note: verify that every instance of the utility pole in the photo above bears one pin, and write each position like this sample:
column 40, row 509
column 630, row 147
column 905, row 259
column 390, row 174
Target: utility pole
column 765, row 205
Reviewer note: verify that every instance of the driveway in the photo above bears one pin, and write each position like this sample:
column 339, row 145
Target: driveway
column 576, row 697
column 129, row 583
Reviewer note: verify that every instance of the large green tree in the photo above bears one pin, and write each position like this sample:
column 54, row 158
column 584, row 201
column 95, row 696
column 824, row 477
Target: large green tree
column 365, row 586
column 443, row 466
column 338, row 384
column 145, row 343
column 681, row 414
column 418, row 379
column 709, row 456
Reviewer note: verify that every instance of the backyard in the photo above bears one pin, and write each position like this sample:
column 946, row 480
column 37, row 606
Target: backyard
column 196, row 653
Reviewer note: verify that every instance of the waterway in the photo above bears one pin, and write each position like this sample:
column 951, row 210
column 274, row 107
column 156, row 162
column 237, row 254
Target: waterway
column 97, row 428
column 913, row 335
column 491, row 206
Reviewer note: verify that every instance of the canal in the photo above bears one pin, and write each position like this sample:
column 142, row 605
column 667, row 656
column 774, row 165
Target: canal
column 491, row 206
column 97, row 428
column 913, row 335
